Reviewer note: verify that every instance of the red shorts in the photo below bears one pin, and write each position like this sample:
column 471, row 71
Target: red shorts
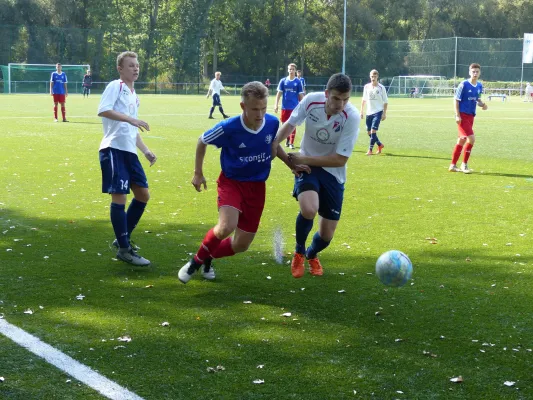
column 285, row 114
column 59, row 98
column 247, row 197
column 465, row 127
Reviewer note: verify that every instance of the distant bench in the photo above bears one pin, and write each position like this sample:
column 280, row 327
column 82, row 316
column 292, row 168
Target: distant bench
column 503, row 96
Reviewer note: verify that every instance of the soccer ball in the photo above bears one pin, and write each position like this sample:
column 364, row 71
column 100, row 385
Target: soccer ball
column 394, row 268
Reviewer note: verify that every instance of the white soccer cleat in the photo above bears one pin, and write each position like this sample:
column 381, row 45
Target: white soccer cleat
column 187, row 271
column 453, row 168
column 465, row 169
column 131, row 257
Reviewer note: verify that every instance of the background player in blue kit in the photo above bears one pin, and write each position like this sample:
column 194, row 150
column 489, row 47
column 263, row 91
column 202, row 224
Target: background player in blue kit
column 245, row 159
column 59, row 91
column 292, row 91
column 121, row 169
column 467, row 98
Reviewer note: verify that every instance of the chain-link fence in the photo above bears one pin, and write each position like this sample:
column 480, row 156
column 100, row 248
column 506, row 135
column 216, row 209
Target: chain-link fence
column 167, row 60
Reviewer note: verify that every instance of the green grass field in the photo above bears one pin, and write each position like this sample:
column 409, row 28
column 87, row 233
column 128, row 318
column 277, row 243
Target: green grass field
column 467, row 311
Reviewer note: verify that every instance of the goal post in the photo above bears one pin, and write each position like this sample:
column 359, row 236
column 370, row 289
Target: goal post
column 35, row 78
column 419, row 86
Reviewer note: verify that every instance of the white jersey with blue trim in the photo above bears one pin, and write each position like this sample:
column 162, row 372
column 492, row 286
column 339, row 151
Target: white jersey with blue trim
column 119, row 135
column 246, row 154
column 326, row 134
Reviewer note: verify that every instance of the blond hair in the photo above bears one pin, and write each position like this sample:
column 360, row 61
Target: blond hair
column 254, row 89
column 123, row 55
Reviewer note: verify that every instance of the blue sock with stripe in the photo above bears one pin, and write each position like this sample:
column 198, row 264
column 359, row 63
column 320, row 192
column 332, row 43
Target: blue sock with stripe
column 120, row 225
column 317, row 245
column 134, row 214
column 303, row 227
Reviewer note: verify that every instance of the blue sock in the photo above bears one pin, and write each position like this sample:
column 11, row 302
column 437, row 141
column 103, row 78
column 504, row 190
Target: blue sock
column 303, row 227
column 120, row 226
column 317, row 245
column 135, row 212
column 373, row 140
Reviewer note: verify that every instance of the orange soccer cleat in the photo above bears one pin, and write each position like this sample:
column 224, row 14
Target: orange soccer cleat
column 380, row 147
column 298, row 265
column 315, row 268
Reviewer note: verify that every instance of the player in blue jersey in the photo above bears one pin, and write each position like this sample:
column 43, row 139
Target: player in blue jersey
column 245, row 159
column 467, row 98
column 292, row 91
column 59, row 91
column 301, row 78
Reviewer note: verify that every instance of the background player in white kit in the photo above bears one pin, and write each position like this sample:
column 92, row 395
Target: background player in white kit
column 376, row 100
column 331, row 130
column 214, row 88
column 120, row 165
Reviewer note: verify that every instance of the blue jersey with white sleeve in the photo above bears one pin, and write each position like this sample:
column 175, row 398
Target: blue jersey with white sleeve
column 291, row 90
column 58, row 81
column 246, row 154
column 467, row 95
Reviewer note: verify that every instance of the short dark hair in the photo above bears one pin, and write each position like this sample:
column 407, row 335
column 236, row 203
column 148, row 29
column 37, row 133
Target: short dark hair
column 254, row 89
column 339, row 82
column 474, row 65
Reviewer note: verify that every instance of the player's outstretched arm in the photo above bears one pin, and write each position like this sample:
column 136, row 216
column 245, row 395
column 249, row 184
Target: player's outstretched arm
column 118, row 116
column 198, row 180
column 283, row 133
column 332, row 160
column 296, row 169
column 276, row 104
column 145, row 150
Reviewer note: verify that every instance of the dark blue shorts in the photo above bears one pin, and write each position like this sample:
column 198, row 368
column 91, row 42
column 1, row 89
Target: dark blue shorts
column 330, row 191
column 119, row 170
column 372, row 121
column 216, row 100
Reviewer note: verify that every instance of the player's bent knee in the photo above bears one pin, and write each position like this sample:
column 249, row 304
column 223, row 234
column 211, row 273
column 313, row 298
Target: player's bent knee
column 308, row 213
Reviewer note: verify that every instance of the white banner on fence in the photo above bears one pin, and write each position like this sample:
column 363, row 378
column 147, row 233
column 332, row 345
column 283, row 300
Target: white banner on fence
column 527, row 54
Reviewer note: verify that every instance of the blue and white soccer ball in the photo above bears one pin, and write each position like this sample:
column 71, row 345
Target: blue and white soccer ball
column 394, row 268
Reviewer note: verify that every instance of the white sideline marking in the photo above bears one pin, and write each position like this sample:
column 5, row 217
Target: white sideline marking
column 81, row 372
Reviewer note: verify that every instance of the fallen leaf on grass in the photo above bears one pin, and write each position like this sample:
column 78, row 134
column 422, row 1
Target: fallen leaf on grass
column 287, row 314
column 457, row 379
column 124, row 339
column 259, row 381
column 80, row 297
column 28, row 311
column 165, row 324
column 509, row 383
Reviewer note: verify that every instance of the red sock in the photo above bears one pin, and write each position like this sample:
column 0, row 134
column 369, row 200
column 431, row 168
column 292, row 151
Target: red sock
column 64, row 112
column 224, row 250
column 208, row 246
column 55, row 112
column 468, row 150
column 456, row 153
column 292, row 136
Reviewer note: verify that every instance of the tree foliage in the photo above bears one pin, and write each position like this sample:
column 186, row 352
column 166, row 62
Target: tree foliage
column 181, row 40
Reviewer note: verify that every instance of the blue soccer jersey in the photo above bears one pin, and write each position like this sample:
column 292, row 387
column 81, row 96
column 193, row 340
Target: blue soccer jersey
column 246, row 154
column 467, row 95
column 291, row 90
column 58, row 80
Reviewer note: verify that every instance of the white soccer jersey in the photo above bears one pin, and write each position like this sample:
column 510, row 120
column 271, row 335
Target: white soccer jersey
column 119, row 135
column 216, row 86
column 375, row 97
column 325, row 135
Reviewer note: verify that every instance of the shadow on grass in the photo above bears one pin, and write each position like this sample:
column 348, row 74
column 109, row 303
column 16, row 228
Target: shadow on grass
column 343, row 325
column 504, row 175
column 388, row 154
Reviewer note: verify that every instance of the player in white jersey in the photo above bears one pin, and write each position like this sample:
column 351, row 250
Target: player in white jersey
column 214, row 88
column 331, row 130
column 120, row 165
column 376, row 100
